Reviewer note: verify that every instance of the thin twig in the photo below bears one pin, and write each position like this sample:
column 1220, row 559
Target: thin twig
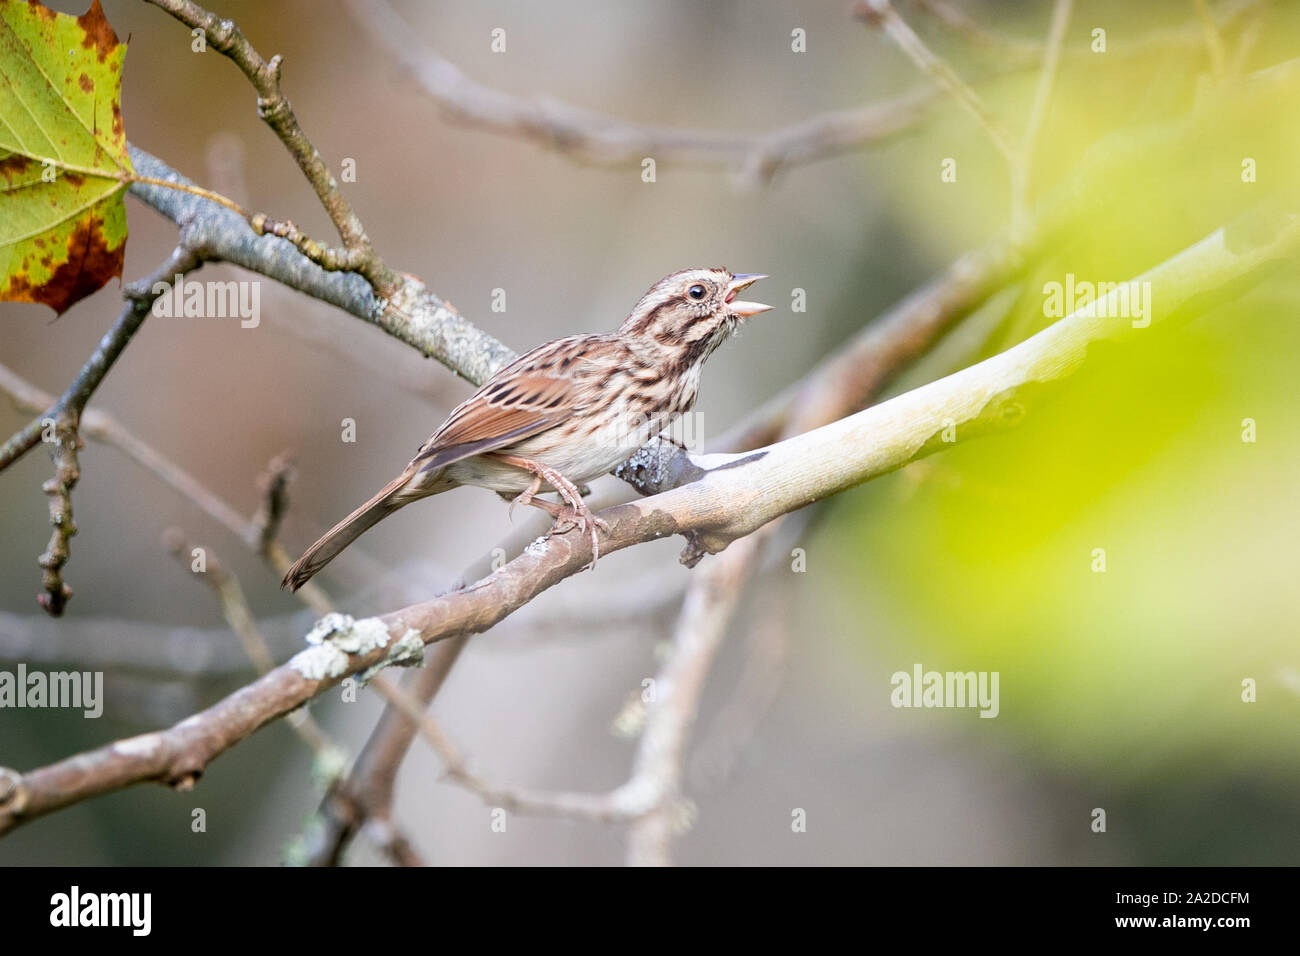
column 601, row 807
column 765, row 659
column 357, row 255
column 367, row 791
column 976, row 33
column 1022, row 172
column 701, row 628
column 1213, row 40
column 424, row 321
column 65, row 417
column 55, row 592
column 239, row 616
column 1029, row 51
column 881, row 14
column 592, row 137
column 181, row 261
column 103, row 427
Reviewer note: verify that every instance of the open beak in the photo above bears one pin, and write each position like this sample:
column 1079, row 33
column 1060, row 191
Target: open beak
column 739, row 283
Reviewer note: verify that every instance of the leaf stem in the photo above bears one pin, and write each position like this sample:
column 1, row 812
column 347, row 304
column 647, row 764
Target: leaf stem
column 122, row 176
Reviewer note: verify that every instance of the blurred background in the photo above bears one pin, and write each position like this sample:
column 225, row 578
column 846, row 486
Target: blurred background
column 1120, row 689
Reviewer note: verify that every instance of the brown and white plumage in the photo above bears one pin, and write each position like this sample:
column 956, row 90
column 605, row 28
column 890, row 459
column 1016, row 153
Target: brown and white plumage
column 567, row 411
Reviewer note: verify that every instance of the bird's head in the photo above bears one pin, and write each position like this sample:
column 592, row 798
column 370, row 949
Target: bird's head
column 695, row 309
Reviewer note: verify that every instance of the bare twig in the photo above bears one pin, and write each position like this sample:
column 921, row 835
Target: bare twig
column 1213, row 40
column 1022, row 50
column 425, row 322
column 230, row 595
column 64, row 416
column 137, row 648
column 274, row 485
column 881, row 14
column 591, row 806
column 259, row 533
column 55, row 592
column 357, row 255
column 765, row 655
column 330, row 759
column 262, row 531
column 590, row 137
column 181, row 261
column 1022, row 172
column 366, row 793
column 956, row 19
column 595, row 138
column 706, row 615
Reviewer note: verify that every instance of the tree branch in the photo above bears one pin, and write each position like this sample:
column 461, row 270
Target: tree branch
column 1030, row 51
column 1022, row 173
column 64, row 417
column 736, row 495
column 357, row 255
column 425, row 322
column 881, row 14
column 591, row 137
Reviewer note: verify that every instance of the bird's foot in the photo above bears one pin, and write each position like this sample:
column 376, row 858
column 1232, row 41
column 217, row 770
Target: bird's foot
column 574, row 512
column 580, row 516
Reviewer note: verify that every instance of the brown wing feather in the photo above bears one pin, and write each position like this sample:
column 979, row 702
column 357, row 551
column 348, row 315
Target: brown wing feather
column 531, row 394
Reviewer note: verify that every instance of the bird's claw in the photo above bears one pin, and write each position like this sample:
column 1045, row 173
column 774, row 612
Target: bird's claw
column 586, row 522
column 525, row 498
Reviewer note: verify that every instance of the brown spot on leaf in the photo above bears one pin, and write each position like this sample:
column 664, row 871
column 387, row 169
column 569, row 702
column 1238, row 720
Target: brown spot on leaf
column 90, row 264
column 75, row 180
column 85, row 83
column 41, row 10
column 118, row 131
column 12, row 165
column 99, row 34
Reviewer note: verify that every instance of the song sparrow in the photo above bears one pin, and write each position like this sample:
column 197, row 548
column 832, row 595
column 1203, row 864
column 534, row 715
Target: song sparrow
column 566, row 412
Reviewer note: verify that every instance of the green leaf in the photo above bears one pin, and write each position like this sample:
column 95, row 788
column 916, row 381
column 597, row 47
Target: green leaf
column 63, row 157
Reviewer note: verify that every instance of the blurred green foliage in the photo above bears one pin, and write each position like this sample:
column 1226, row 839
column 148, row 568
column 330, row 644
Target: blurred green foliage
column 987, row 556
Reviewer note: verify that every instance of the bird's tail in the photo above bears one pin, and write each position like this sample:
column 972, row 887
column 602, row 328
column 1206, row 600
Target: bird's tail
column 349, row 529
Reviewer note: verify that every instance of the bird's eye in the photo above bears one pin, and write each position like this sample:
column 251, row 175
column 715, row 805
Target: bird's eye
column 696, row 292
